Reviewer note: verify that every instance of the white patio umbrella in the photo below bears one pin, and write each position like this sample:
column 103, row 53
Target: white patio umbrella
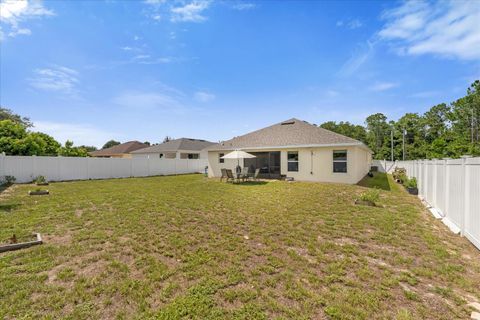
column 238, row 154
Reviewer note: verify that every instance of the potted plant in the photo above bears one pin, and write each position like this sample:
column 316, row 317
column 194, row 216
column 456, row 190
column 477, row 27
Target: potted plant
column 411, row 185
column 369, row 198
column 38, row 192
column 399, row 174
column 41, row 181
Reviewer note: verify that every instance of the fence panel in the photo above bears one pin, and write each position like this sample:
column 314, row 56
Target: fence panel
column 455, row 210
column 430, row 182
column 472, row 197
column 25, row 169
column 19, row 167
column 452, row 187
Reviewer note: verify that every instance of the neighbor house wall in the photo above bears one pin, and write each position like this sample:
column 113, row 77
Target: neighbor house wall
column 315, row 164
column 203, row 154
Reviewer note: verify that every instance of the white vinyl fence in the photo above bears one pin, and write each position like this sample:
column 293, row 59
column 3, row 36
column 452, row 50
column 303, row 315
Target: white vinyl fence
column 451, row 187
column 26, row 168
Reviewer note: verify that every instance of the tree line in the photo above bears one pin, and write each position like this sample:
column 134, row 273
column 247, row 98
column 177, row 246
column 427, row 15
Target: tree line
column 17, row 138
column 445, row 131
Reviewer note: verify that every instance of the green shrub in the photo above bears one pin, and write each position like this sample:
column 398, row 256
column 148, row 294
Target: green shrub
column 372, row 195
column 40, row 179
column 7, row 180
column 411, row 183
column 398, row 172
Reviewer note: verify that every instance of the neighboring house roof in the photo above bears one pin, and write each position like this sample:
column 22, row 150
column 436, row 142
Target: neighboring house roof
column 175, row 145
column 289, row 133
column 122, row 148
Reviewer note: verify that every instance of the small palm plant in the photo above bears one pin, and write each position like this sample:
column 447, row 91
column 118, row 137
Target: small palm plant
column 370, row 197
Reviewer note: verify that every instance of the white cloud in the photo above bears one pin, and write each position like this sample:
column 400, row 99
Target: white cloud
column 244, row 6
column 358, row 58
column 350, row 24
column 448, row 29
column 56, row 78
column 164, row 101
column 332, row 93
column 425, row 94
column 141, row 57
column 22, row 31
column 354, row 24
column 191, row 12
column 15, row 12
column 155, row 2
column 80, row 134
column 383, row 86
column 203, row 96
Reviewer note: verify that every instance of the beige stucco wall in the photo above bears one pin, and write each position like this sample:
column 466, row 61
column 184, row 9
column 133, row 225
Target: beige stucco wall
column 203, row 154
column 315, row 164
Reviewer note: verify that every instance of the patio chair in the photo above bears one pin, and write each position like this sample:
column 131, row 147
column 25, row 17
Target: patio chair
column 230, row 175
column 245, row 174
column 224, row 174
column 255, row 175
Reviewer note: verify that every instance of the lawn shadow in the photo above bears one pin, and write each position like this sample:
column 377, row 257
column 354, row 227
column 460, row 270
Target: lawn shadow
column 4, row 187
column 7, row 207
column 379, row 180
column 251, row 183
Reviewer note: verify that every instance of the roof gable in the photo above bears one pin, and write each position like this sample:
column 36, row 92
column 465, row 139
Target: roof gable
column 122, row 148
column 292, row 132
column 175, row 145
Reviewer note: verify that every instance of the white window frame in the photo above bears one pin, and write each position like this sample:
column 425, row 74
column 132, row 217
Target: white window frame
column 340, row 161
column 293, row 161
column 220, row 160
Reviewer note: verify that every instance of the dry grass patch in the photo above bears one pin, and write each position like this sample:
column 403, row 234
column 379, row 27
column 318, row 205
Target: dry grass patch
column 189, row 247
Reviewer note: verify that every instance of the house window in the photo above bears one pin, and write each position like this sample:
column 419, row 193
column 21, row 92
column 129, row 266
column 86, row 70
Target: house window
column 292, row 160
column 340, row 161
column 189, row 155
column 220, row 160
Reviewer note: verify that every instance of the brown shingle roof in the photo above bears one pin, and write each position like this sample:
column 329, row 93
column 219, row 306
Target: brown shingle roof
column 288, row 133
column 177, row 144
column 122, row 148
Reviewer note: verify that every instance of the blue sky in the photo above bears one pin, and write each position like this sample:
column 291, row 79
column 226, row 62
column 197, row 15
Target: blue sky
column 139, row 70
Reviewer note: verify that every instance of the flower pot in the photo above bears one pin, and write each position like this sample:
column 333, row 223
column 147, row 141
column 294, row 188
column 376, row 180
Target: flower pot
column 413, row 191
column 38, row 192
column 36, row 239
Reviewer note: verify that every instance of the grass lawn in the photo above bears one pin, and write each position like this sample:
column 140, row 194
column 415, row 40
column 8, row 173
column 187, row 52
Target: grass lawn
column 189, row 247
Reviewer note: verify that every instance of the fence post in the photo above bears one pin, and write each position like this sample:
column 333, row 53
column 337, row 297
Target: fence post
column 435, row 177
column 59, row 160
column 2, row 164
column 466, row 192
column 446, row 180
column 87, row 162
column 131, row 166
column 34, row 167
column 421, row 181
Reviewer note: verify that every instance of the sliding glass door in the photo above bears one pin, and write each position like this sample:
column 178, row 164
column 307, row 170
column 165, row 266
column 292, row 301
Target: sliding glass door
column 267, row 162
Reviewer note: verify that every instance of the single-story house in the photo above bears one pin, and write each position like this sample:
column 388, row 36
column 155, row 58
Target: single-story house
column 119, row 151
column 183, row 148
column 298, row 150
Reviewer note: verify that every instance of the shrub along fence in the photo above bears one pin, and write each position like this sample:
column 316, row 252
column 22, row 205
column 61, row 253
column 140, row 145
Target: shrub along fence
column 451, row 187
column 26, row 168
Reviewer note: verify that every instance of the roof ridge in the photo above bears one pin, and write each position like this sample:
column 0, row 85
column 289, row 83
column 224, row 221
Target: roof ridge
column 291, row 132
